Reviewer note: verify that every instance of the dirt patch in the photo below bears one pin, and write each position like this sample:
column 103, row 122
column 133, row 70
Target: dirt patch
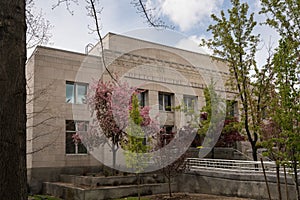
column 186, row 196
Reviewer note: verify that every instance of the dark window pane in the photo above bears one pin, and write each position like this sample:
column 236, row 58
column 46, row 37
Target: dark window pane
column 167, row 102
column 73, row 127
column 70, row 145
column 167, row 135
column 169, row 129
column 81, row 148
column 161, row 101
column 70, row 125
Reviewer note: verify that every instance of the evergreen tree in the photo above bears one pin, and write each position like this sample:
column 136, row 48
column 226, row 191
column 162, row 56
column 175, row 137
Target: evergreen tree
column 135, row 144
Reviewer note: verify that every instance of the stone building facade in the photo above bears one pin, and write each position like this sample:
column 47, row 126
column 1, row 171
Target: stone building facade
column 58, row 82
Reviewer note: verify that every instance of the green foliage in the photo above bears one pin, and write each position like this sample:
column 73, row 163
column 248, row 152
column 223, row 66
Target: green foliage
column 284, row 118
column 233, row 40
column 284, row 146
column 284, row 17
column 135, row 145
column 212, row 99
column 230, row 126
column 135, row 112
column 284, row 107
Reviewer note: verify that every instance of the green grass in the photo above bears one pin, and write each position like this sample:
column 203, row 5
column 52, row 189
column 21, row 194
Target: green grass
column 43, row 197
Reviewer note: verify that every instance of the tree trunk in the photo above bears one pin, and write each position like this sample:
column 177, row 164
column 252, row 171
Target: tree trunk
column 114, row 150
column 169, row 183
column 254, row 151
column 285, row 182
column 278, row 181
column 265, row 176
column 13, row 100
column 296, row 178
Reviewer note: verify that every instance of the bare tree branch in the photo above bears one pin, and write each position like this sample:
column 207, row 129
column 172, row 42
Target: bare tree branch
column 93, row 12
column 43, row 147
column 67, row 4
column 151, row 19
column 38, row 28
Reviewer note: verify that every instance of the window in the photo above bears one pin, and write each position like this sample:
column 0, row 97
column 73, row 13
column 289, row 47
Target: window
column 73, row 127
column 165, row 101
column 142, row 97
column 190, row 102
column 232, row 108
column 76, row 92
column 166, row 134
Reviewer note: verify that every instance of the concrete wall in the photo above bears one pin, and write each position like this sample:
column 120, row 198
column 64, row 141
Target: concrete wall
column 233, row 184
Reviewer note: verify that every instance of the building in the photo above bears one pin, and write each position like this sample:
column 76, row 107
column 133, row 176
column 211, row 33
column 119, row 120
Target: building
column 58, row 81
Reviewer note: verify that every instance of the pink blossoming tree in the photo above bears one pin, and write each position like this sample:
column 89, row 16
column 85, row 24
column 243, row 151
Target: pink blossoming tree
column 110, row 105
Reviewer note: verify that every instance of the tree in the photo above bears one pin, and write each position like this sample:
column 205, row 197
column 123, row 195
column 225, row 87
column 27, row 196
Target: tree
column 178, row 166
column 233, row 40
column 13, row 100
column 283, row 146
column 275, row 145
column 211, row 117
column 146, row 12
column 38, row 28
column 111, row 104
column 284, row 16
column 230, row 133
column 135, row 143
column 230, row 126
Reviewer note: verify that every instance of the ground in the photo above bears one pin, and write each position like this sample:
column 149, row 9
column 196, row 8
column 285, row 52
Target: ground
column 184, row 196
column 176, row 196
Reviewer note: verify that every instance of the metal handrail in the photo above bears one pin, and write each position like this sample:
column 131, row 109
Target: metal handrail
column 194, row 164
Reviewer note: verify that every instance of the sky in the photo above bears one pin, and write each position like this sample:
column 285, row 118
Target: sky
column 189, row 18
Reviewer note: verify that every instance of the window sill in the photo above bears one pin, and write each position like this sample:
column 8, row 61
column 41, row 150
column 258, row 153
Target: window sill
column 75, row 103
column 77, row 154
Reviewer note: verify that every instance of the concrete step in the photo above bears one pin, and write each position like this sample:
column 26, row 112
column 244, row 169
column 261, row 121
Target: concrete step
column 111, row 181
column 69, row 191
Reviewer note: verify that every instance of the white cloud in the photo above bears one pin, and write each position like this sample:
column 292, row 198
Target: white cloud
column 187, row 14
column 192, row 44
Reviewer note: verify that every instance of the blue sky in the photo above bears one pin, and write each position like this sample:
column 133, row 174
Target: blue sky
column 190, row 19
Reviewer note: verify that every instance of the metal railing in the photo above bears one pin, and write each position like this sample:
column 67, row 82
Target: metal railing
column 195, row 164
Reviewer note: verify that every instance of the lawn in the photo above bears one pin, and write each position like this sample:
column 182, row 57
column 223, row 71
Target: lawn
column 42, row 197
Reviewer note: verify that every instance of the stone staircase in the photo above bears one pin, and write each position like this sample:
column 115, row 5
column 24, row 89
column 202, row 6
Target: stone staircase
column 74, row 187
